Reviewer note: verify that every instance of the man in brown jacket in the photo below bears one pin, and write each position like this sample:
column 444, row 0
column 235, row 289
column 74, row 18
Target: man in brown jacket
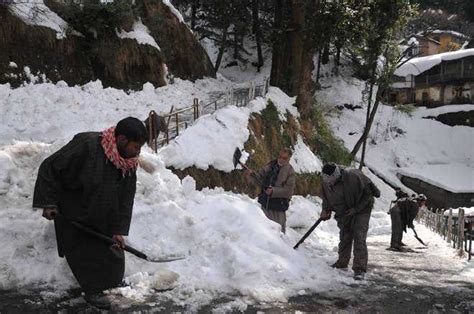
column 350, row 194
column 277, row 182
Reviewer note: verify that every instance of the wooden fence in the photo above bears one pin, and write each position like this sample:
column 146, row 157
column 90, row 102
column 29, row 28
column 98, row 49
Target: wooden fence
column 456, row 230
column 179, row 119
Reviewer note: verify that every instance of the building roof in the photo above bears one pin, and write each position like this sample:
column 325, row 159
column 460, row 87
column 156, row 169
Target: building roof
column 451, row 177
column 419, row 65
column 452, row 33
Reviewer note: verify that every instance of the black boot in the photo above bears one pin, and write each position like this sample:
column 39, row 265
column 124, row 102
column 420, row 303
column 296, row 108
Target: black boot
column 99, row 300
column 359, row 275
column 339, row 265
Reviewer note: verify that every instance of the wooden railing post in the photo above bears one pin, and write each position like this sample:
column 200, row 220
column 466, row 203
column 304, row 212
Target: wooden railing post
column 450, row 225
column 461, row 232
column 196, row 108
column 152, row 140
column 177, row 124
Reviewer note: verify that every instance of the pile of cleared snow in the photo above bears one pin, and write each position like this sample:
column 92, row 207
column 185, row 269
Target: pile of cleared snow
column 26, row 111
column 226, row 234
column 282, row 102
column 303, row 159
column 212, row 139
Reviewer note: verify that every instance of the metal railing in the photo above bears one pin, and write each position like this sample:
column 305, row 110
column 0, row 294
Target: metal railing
column 180, row 119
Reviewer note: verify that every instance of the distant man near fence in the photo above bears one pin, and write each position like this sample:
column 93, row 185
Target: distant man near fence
column 350, row 194
column 277, row 183
column 402, row 215
column 92, row 180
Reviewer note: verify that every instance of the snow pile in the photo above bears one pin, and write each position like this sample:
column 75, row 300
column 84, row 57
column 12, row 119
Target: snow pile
column 303, row 159
column 282, row 102
column 226, row 234
column 417, row 66
column 211, row 141
column 454, row 178
column 36, row 13
column 140, row 33
column 26, row 111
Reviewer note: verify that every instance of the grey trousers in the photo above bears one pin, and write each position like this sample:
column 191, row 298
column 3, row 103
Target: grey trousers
column 397, row 229
column 277, row 216
column 354, row 229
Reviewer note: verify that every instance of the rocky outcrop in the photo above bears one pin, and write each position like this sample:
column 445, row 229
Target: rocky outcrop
column 79, row 57
column 184, row 55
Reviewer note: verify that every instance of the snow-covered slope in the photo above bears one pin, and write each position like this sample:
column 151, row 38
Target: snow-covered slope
column 401, row 142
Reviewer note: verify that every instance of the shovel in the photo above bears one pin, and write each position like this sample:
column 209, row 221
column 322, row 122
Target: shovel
column 416, row 236
column 137, row 253
column 236, row 161
column 308, row 233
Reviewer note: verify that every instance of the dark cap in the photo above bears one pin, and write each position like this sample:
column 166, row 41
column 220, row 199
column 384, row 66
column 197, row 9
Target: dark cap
column 328, row 169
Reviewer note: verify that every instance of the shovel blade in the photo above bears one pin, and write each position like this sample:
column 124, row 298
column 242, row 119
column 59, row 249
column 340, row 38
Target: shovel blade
column 237, row 156
column 165, row 258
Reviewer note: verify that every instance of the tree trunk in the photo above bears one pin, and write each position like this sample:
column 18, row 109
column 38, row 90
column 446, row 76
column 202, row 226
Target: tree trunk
column 364, row 145
column 292, row 61
column 368, row 125
column 257, row 32
column 306, row 87
column 337, row 60
column 222, row 47
column 325, row 56
column 318, row 72
column 194, row 6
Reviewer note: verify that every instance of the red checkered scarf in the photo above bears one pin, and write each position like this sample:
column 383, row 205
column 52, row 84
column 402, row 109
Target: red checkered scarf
column 110, row 148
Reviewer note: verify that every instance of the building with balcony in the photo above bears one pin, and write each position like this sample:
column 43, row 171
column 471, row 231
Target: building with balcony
column 441, row 79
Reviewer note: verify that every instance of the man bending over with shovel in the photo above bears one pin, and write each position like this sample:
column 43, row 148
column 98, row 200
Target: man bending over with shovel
column 350, row 194
column 92, row 181
column 277, row 182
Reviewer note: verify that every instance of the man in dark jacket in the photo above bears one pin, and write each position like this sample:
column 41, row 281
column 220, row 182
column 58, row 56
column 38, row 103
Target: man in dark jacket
column 350, row 194
column 402, row 214
column 277, row 183
column 92, row 180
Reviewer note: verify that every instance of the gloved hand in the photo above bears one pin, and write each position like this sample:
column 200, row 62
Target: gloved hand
column 325, row 215
column 50, row 213
column 120, row 241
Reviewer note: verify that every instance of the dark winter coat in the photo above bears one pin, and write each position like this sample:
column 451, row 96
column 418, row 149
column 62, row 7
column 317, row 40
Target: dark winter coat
column 408, row 212
column 358, row 193
column 86, row 187
column 282, row 181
